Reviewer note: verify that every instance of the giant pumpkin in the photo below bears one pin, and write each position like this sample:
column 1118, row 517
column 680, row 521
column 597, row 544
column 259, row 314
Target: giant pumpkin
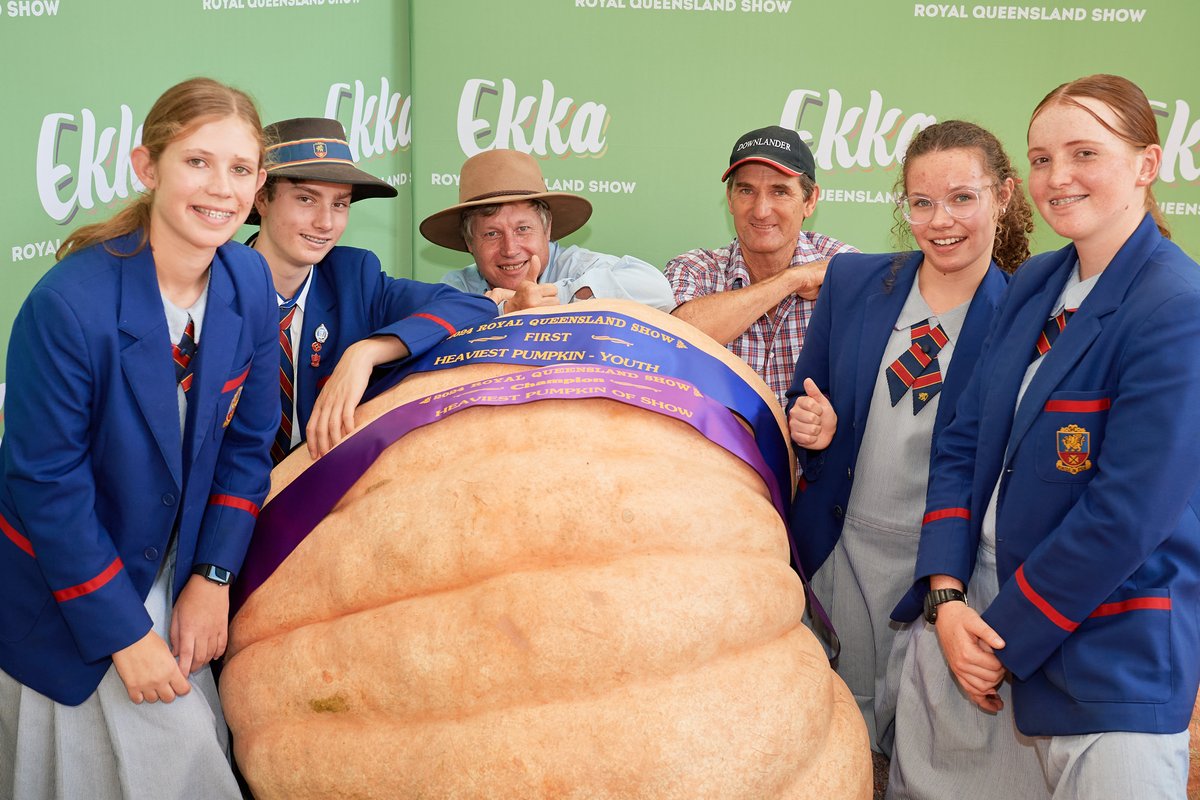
column 572, row 598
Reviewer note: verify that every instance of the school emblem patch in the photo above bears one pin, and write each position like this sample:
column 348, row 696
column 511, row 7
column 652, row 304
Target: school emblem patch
column 1074, row 445
column 320, row 150
column 233, row 406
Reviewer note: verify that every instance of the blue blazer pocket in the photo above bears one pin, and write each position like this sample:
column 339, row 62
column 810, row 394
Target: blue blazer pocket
column 1122, row 652
column 1070, row 432
column 227, row 401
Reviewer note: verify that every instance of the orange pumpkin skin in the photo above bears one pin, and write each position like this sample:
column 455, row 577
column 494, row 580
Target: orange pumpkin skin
column 1193, row 787
column 565, row 599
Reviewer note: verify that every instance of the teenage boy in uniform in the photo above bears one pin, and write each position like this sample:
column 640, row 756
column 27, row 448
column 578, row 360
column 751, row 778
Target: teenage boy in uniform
column 340, row 314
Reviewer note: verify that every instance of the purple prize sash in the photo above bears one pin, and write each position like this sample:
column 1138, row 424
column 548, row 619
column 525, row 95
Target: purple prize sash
column 299, row 508
column 604, row 339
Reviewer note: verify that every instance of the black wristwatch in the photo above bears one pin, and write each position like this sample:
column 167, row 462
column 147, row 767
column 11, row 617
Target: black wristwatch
column 938, row 596
column 213, row 573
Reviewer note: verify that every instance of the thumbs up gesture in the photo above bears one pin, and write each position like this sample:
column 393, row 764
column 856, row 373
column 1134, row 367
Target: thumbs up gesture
column 812, row 421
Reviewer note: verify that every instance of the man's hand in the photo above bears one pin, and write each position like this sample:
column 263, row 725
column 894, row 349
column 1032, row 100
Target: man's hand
column 969, row 644
column 810, row 278
column 812, row 421
column 149, row 672
column 498, row 295
column 332, row 418
column 533, row 295
column 727, row 315
column 200, row 623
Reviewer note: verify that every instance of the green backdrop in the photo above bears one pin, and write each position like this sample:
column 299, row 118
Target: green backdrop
column 632, row 103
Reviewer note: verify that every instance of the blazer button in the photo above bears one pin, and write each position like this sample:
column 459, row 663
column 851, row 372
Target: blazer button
column 150, row 553
column 850, row 473
column 168, row 499
column 838, row 512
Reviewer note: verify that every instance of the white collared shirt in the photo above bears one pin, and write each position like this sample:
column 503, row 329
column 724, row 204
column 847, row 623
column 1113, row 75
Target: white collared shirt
column 296, row 330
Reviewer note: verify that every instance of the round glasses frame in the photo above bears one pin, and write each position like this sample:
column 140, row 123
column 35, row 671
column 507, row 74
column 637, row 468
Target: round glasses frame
column 962, row 203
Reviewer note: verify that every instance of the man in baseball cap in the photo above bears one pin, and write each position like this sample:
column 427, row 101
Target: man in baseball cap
column 755, row 296
column 504, row 218
column 340, row 314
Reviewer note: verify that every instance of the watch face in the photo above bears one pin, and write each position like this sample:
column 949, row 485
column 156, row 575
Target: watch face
column 214, row 573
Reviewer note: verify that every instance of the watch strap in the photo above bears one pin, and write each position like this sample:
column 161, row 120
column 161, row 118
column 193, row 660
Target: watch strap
column 938, row 596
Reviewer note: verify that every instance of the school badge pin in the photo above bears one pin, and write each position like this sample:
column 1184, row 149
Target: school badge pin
column 233, row 406
column 1074, row 445
column 321, row 333
column 320, row 150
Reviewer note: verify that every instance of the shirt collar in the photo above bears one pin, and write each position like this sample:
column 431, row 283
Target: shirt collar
column 1075, row 292
column 302, row 295
column 917, row 310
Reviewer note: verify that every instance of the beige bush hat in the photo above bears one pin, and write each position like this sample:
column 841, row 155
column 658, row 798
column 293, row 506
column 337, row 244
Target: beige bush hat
column 503, row 176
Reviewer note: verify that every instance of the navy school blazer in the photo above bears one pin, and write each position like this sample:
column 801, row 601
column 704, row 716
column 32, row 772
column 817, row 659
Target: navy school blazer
column 93, row 474
column 1098, row 540
column 843, row 351
column 352, row 298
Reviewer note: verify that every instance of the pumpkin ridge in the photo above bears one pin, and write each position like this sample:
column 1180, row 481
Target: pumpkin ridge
column 577, row 758
column 482, row 618
column 333, row 543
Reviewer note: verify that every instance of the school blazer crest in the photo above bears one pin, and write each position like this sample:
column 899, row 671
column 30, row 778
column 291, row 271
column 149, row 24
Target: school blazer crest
column 1098, row 539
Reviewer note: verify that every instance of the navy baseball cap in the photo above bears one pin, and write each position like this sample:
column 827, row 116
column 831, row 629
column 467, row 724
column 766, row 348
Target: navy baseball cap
column 775, row 146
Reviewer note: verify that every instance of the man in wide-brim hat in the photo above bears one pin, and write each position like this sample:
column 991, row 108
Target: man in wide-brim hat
column 340, row 314
column 504, row 219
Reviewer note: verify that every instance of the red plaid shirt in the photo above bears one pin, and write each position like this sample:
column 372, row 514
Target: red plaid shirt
column 772, row 344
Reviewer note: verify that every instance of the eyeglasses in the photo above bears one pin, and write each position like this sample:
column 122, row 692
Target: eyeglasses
column 961, row 204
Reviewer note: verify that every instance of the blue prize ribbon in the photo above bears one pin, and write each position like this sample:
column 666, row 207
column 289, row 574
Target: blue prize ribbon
column 598, row 338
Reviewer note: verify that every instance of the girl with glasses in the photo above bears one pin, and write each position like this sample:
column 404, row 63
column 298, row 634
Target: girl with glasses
column 892, row 341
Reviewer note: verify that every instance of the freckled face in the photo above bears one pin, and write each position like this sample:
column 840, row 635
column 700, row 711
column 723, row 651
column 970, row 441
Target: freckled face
column 1088, row 183
column 955, row 178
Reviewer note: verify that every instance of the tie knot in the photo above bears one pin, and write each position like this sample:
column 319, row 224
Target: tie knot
column 286, row 314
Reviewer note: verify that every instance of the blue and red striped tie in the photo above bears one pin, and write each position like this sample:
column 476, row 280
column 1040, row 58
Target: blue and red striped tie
column 287, row 377
column 917, row 367
column 1054, row 326
column 183, row 353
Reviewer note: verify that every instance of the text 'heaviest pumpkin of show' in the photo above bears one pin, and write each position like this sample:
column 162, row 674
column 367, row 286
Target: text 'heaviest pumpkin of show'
column 550, row 563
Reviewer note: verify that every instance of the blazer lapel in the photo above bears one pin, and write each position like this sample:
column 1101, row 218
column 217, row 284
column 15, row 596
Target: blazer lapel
column 882, row 308
column 318, row 307
column 1085, row 325
column 970, row 342
column 146, row 360
column 214, row 354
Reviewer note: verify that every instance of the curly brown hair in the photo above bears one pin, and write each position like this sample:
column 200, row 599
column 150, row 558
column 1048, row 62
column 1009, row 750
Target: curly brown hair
column 1011, row 246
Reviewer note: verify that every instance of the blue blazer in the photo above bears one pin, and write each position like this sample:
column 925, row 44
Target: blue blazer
column 1098, row 541
column 353, row 298
column 843, row 353
column 93, row 475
